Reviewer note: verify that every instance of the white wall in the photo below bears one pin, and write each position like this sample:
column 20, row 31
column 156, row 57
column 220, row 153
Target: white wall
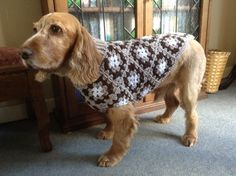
column 222, row 29
column 16, row 18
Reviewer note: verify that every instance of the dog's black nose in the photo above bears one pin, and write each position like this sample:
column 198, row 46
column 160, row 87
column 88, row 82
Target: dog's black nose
column 26, row 53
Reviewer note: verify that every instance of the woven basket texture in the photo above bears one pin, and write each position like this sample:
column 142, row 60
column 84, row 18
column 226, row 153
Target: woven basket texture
column 216, row 62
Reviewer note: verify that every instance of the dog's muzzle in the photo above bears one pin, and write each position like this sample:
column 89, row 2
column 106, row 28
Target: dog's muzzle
column 26, row 53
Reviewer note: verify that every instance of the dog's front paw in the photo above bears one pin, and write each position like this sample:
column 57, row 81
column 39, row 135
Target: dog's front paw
column 161, row 119
column 107, row 161
column 104, row 135
column 189, row 140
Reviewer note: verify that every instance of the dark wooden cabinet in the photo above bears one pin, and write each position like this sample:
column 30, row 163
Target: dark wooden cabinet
column 17, row 83
column 70, row 112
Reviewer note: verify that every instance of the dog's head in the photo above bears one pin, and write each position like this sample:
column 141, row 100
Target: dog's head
column 61, row 45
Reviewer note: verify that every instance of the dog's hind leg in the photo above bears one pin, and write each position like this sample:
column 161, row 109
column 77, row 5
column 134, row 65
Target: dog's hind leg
column 189, row 96
column 107, row 132
column 189, row 83
column 171, row 102
column 125, row 125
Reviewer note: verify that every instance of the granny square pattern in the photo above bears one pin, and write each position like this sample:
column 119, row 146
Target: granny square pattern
column 132, row 69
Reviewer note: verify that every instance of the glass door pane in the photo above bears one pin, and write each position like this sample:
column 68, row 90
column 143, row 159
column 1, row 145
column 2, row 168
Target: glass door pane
column 106, row 19
column 176, row 16
column 188, row 16
column 168, row 16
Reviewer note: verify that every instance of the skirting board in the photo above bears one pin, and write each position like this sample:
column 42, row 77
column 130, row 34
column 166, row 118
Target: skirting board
column 13, row 113
column 17, row 111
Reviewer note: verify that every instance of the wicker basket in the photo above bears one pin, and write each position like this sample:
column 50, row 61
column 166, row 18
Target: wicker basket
column 216, row 61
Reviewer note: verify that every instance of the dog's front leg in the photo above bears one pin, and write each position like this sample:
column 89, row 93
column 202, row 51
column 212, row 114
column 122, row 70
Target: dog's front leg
column 125, row 125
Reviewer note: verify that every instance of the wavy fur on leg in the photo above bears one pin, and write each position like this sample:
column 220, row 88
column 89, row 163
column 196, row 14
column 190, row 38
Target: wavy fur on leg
column 125, row 126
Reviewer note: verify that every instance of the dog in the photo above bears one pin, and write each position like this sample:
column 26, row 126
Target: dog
column 62, row 46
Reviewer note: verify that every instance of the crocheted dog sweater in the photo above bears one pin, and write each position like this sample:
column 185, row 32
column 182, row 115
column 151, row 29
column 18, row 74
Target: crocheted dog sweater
column 132, row 69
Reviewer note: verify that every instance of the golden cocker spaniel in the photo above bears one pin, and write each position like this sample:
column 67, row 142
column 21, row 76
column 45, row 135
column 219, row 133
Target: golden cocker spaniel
column 63, row 47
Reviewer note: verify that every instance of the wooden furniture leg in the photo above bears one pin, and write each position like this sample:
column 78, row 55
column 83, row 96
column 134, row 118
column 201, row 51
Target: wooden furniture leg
column 41, row 113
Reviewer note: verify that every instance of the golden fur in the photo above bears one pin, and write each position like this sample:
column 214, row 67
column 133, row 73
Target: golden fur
column 68, row 50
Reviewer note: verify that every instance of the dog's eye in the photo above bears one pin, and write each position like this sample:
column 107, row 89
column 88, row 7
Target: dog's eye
column 55, row 29
column 35, row 30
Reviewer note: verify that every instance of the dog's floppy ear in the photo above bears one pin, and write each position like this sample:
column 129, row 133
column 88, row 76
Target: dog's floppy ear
column 86, row 60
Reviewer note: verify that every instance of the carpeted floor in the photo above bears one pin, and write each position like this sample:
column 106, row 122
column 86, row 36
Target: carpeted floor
column 156, row 149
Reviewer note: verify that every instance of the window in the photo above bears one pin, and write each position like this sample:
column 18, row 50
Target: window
column 117, row 20
column 176, row 16
column 106, row 19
